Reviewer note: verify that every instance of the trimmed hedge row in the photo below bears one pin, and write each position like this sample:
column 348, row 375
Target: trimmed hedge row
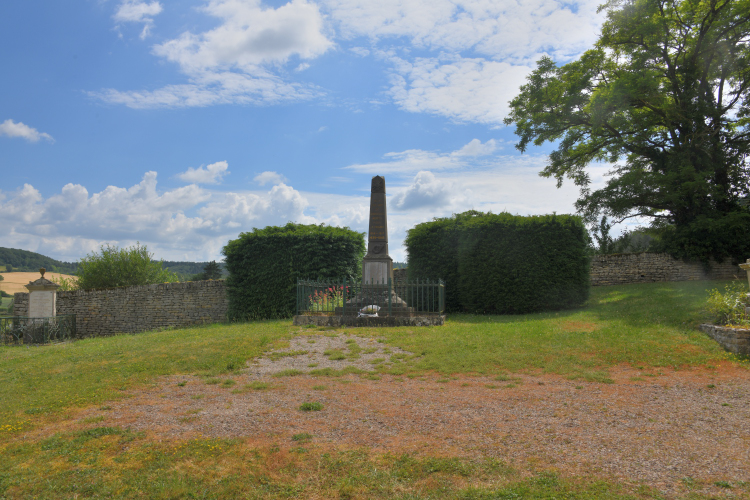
column 264, row 265
column 503, row 263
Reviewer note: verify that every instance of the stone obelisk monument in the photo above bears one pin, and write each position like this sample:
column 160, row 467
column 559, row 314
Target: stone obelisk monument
column 377, row 266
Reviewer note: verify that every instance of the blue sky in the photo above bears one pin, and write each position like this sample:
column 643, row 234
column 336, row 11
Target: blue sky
column 182, row 124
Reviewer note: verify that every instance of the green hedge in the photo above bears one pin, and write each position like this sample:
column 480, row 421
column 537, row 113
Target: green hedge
column 264, row 265
column 503, row 263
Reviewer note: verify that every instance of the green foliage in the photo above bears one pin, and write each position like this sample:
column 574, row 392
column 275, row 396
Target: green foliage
column 635, row 241
column 66, row 284
column 211, row 271
column 728, row 308
column 503, row 263
column 265, row 264
column 114, row 267
column 23, row 260
column 314, row 406
column 664, row 95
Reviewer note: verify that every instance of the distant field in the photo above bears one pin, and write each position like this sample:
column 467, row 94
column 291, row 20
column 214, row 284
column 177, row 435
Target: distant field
column 15, row 282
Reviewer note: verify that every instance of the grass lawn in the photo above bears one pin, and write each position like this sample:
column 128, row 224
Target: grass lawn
column 649, row 326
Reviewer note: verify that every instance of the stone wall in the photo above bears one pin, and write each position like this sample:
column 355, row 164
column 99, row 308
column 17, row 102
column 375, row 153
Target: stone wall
column 620, row 269
column 139, row 308
column 736, row 340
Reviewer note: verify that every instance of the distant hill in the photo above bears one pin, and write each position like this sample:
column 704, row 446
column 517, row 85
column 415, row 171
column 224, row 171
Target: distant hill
column 23, row 260
column 26, row 261
column 188, row 269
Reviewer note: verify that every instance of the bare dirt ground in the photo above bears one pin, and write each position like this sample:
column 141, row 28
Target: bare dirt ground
column 15, row 282
column 653, row 427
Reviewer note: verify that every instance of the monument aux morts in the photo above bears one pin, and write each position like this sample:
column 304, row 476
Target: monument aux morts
column 377, row 266
column 377, row 300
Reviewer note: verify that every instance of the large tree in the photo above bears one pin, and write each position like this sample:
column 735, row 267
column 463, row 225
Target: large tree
column 663, row 96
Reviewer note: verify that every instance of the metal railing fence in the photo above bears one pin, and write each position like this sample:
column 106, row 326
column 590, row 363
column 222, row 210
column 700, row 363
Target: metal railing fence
column 347, row 298
column 22, row 330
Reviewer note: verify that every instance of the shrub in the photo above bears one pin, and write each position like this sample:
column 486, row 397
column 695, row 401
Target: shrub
column 501, row 263
column 265, row 264
column 115, row 267
column 728, row 308
column 66, row 284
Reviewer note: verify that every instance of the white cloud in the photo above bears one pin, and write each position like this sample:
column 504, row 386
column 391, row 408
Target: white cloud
column 249, row 36
column 269, row 177
column 135, row 11
column 212, row 174
column 499, row 29
column 478, row 51
column 360, row 51
column 425, row 191
column 476, row 148
column 464, row 89
column 238, row 61
column 210, row 88
column 414, row 160
column 184, row 221
column 13, row 129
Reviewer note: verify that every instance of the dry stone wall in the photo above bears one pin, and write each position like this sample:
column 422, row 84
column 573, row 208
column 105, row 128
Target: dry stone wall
column 139, row 308
column 620, row 269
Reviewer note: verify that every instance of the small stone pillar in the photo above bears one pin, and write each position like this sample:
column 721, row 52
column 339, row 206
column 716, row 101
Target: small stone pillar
column 42, row 297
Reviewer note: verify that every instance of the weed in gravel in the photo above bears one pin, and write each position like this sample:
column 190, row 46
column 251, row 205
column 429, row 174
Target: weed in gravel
column 291, row 372
column 257, row 385
column 369, row 350
column 213, row 381
column 275, row 355
column 319, row 387
column 312, row 365
column 330, row 372
column 334, row 354
column 182, row 384
column 228, row 383
column 196, row 396
column 377, row 361
column 302, row 436
column 314, row 406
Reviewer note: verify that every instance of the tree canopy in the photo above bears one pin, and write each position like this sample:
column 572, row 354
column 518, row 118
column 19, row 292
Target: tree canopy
column 114, row 267
column 663, row 95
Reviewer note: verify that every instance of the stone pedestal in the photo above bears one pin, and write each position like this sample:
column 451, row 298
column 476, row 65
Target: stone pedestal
column 42, row 297
column 377, row 270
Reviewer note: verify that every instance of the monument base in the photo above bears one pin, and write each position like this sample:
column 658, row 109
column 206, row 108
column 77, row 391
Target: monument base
column 418, row 319
column 377, row 270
